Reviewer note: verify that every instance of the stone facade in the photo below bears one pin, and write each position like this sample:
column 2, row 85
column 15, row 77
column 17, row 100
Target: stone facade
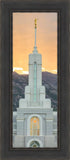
column 34, row 122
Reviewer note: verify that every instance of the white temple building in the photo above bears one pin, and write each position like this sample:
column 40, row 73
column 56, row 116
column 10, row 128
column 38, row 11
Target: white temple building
column 35, row 122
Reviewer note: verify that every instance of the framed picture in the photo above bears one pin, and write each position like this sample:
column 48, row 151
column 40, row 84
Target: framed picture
column 35, row 80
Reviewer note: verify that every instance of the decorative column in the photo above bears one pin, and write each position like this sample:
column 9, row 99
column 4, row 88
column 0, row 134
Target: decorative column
column 49, row 126
column 20, row 123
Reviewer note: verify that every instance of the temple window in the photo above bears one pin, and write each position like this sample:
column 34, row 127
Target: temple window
column 34, row 126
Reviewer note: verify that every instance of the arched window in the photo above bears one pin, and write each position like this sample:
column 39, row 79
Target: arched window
column 34, row 126
column 34, row 144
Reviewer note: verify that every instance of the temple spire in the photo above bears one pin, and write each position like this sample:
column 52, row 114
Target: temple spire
column 35, row 47
column 35, row 30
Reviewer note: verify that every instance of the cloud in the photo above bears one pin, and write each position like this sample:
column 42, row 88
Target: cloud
column 43, row 69
column 54, row 71
column 17, row 69
column 25, row 72
column 20, row 70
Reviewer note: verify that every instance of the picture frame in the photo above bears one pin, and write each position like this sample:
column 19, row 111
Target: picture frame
column 39, row 107
column 62, row 8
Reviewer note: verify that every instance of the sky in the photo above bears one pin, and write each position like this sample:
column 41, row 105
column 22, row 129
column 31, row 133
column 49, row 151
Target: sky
column 24, row 36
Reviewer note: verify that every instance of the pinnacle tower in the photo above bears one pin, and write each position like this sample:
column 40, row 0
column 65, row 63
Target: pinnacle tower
column 35, row 47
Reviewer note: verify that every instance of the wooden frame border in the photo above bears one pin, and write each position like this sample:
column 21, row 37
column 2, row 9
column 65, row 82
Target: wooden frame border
column 63, row 76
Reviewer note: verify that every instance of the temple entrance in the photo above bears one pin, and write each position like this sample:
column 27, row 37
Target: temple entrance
column 34, row 144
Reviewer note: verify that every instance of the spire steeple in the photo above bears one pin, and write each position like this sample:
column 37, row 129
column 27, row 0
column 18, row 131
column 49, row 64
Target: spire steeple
column 35, row 47
column 35, row 30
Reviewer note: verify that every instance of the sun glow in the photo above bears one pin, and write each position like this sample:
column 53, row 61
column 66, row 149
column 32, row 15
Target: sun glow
column 51, row 71
column 54, row 71
column 24, row 37
column 22, row 71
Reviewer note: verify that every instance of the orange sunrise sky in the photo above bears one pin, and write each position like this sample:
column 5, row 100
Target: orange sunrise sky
column 24, row 36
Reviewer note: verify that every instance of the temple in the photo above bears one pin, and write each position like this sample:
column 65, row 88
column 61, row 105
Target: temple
column 35, row 122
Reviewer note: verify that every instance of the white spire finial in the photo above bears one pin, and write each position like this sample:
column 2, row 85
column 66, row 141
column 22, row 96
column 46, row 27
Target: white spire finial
column 35, row 48
column 35, row 22
column 35, row 30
